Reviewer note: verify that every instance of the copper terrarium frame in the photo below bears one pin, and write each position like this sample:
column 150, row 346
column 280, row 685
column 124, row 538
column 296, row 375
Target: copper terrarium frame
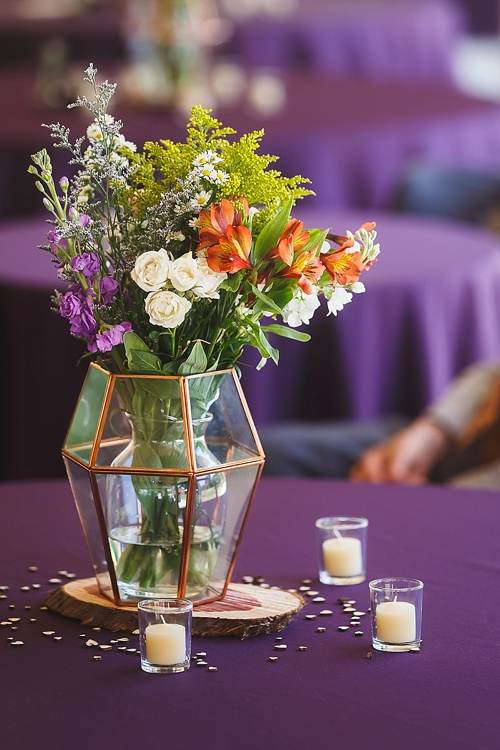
column 93, row 443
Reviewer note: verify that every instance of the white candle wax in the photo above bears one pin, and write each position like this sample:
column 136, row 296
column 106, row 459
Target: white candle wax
column 342, row 556
column 165, row 643
column 395, row 622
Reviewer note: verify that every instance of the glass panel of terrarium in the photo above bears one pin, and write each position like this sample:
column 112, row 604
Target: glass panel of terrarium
column 144, row 426
column 232, row 439
column 89, row 511
column 207, row 530
column 144, row 521
column 240, row 484
column 83, row 428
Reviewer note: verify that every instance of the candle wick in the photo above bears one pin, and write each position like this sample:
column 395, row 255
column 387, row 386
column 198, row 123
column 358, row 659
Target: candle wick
column 163, row 619
column 396, row 598
column 337, row 534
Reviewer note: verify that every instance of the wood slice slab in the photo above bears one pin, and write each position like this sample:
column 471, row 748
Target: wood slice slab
column 245, row 610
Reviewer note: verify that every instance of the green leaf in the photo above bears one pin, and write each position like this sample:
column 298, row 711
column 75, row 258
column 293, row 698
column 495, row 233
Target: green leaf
column 196, row 362
column 233, row 281
column 272, row 231
column 143, row 362
column 281, row 297
column 145, row 457
column 162, row 388
column 288, row 333
column 133, row 343
column 267, row 303
column 262, row 344
column 169, row 368
column 316, row 239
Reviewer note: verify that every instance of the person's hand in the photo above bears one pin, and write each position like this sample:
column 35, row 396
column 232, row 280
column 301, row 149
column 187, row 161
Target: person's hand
column 408, row 457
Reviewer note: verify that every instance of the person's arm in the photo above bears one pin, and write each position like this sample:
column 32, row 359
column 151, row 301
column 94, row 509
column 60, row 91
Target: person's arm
column 407, row 457
column 410, row 455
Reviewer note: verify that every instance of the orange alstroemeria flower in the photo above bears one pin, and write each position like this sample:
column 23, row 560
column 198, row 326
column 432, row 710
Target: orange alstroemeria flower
column 215, row 222
column 342, row 266
column 292, row 241
column 232, row 251
column 308, row 269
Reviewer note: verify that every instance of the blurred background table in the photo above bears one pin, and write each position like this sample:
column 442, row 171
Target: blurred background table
column 375, row 39
column 356, row 148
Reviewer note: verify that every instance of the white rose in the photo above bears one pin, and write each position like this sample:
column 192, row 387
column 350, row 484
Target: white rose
column 166, row 309
column 151, row 270
column 207, row 281
column 183, row 273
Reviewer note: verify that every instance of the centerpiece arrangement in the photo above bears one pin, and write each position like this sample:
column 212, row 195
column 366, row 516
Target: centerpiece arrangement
column 176, row 257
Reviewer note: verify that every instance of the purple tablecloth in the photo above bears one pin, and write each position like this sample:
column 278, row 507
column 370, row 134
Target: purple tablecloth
column 447, row 696
column 375, row 39
column 431, row 307
column 353, row 139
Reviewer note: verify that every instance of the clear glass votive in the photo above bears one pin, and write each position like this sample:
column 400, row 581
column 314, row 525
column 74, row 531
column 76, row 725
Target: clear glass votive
column 165, row 634
column 396, row 613
column 341, row 549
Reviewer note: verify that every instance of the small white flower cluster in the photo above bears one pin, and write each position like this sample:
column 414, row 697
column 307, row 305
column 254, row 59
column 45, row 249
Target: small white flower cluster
column 156, row 273
column 115, row 164
column 203, row 176
column 302, row 307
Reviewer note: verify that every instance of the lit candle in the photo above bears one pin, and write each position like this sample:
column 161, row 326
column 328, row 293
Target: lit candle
column 342, row 556
column 396, row 622
column 165, row 643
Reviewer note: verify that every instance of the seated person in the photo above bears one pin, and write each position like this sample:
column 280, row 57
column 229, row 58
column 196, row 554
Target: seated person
column 455, row 440
column 470, row 195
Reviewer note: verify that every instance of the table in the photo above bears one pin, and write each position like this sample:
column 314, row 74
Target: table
column 445, row 697
column 427, row 313
column 375, row 39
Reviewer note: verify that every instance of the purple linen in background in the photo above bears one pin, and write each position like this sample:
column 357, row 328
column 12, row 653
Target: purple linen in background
column 354, row 139
column 374, row 39
column 445, row 697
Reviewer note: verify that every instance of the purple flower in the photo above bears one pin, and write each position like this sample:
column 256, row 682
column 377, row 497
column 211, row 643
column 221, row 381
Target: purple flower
column 77, row 308
column 56, row 241
column 85, row 324
column 84, row 220
column 71, row 302
column 104, row 342
column 108, row 288
column 87, row 263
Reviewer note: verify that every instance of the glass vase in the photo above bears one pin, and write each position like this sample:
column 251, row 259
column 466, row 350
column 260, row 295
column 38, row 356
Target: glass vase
column 163, row 471
column 145, row 515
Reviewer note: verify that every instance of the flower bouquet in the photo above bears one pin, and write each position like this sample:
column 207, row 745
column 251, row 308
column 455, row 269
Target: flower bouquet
column 177, row 256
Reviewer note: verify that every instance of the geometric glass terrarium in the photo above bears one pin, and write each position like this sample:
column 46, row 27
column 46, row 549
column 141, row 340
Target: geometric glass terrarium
column 163, row 471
